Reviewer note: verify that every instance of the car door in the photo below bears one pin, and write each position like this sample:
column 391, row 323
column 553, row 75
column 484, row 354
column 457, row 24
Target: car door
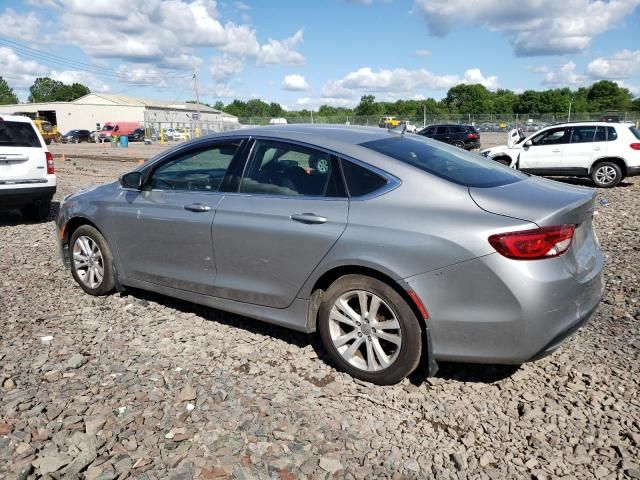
column 544, row 154
column 163, row 232
column 586, row 144
column 289, row 210
column 442, row 134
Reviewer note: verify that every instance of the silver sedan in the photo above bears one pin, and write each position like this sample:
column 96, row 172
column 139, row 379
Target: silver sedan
column 396, row 249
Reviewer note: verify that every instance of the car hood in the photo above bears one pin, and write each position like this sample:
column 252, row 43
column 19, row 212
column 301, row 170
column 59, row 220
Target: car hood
column 499, row 149
column 538, row 200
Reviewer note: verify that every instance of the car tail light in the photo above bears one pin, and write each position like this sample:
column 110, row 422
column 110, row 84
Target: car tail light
column 50, row 169
column 472, row 136
column 635, row 146
column 545, row 242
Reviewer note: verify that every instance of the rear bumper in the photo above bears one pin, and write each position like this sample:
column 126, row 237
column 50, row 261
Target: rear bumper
column 17, row 197
column 495, row 310
column 633, row 171
column 472, row 145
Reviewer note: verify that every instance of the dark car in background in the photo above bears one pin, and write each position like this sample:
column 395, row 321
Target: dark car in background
column 137, row 135
column 76, row 136
column 461, row 136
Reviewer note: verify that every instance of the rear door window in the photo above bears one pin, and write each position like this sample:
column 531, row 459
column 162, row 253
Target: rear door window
column 611, row 134
column 601, row 135
column 18, row 134
column 442, row 130
column 452, row 164
column 583, row 134
column 280, row 168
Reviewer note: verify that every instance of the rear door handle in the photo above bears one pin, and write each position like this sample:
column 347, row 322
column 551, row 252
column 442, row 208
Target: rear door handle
column 596, row 148
column 556, row 150
column 197, row 207
column 308, row 218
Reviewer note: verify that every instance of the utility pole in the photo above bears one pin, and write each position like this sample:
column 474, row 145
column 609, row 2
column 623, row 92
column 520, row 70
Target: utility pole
column 195, row 86
column 569, row 116
column 424, row 115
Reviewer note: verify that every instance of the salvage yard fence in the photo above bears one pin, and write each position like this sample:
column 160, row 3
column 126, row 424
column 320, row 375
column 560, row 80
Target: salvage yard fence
column 490, row 122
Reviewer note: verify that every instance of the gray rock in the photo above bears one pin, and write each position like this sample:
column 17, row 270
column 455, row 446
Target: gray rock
column 330, row 464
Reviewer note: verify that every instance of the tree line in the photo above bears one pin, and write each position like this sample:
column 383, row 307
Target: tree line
column 602, row 96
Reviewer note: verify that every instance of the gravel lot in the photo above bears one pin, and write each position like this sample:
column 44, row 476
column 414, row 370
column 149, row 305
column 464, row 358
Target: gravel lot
column 140, row 385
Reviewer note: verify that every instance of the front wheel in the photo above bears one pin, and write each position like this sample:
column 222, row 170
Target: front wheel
column 606, row 175
column 91, row 261
column 369, row 330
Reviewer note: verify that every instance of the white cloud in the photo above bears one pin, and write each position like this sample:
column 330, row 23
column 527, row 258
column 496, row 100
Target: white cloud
column 422, row 53
column 19, row 73
column 534, row 27
column 220, row 90
column 225, row 66
column 23, row 27
column 622, row 64
column 401, row 81
column 281, row 52
column 296, row 83
column 304, row 101
column 564, row 76
column 73, row 76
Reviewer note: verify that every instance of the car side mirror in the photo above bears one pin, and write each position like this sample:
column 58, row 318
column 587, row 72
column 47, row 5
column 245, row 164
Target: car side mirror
column 131, row 180
column 528, row 143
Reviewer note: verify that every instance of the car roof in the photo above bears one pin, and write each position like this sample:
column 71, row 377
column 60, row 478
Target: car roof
column 332, row 136
column 15, row 118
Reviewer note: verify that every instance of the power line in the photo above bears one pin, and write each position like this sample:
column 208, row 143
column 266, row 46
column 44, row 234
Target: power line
column 118, row 75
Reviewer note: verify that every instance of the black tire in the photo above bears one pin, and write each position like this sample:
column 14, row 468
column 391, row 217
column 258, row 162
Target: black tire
column 606, row 174
column 458, row 145
column 37, row 211
column 409, row 353
column 108, row 283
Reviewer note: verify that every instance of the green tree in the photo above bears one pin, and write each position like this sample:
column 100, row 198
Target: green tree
column 367, row 106
column 219, row 105
column 45, row 89
column 504, row 101
column 607, row 95
column 469, row 99
column 635, row 105
column 529, row 101
column 7, row 96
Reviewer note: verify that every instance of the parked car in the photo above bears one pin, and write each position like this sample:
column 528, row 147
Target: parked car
column 278, row 121
column 603, row 151
column 177, row 134
column 388, row 122
column 328, row 229
column 110, row 129
column 27, row 176
column 137, row 135
column 76, row 136
column 410, row 127
column 461, row 136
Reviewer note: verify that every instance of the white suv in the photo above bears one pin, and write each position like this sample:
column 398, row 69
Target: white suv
column 27, row 178
column 605, row 152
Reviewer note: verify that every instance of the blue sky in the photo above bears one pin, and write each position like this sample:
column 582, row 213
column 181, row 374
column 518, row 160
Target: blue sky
column 304, row 54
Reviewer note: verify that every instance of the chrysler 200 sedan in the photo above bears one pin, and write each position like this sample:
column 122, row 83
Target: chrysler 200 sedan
column 395, row 248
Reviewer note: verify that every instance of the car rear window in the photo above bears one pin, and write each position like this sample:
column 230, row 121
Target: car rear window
column 449, row 163
column 635, row 131
column 18, row 134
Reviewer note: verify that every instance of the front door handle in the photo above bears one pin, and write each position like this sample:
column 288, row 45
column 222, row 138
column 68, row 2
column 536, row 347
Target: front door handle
column 308, row 218
column 197, row 207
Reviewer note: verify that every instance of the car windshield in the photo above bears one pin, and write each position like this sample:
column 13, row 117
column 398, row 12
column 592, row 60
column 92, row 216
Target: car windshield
column 18, row 134
column 635, row 131
column 449, row 163
column 70, row 133
column 107, row 128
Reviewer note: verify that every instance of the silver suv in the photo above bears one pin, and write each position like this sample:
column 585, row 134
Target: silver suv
column 27, row 177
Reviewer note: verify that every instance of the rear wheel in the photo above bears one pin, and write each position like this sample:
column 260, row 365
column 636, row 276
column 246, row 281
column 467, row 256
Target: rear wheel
column 369, row 330
column 458, row 144
column 38, row 210
column 91, row 261
column 606, row 174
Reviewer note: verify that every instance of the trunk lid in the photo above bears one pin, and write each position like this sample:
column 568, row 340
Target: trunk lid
column 547, row 203
column 538, row 200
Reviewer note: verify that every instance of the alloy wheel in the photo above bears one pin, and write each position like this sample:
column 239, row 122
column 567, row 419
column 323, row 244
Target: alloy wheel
column 365, row 330
column 88, row 261
column 606, row 175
